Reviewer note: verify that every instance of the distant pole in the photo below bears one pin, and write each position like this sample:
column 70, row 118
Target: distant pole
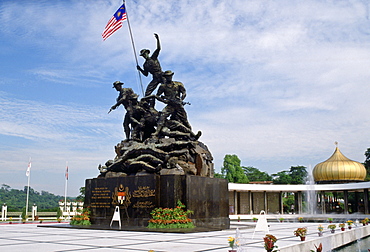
column 65, row 188
column 28, row 174
column 133, row 47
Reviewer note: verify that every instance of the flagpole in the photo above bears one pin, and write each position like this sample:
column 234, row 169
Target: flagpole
column 133, row 47
column 65, row 190
column 28, row 184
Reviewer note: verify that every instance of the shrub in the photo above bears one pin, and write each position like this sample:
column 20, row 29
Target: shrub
column 82, row 218
column 171, row 217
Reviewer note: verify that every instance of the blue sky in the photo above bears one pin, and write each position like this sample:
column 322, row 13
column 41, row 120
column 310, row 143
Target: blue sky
column 274, row 82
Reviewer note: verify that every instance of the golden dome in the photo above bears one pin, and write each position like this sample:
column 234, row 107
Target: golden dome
column 338, row 168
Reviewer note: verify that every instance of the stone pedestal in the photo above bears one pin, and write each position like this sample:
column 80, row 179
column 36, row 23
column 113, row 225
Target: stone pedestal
column 137, row 196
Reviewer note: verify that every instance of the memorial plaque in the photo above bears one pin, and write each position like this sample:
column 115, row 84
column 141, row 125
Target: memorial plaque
column 137, row 196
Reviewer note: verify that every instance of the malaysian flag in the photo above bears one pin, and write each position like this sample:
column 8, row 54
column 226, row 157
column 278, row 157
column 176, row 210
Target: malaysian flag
column 28, row 169
column 115, row 22
column 67, row 173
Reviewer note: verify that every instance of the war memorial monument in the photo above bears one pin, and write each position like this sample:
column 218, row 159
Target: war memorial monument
column 161, row 160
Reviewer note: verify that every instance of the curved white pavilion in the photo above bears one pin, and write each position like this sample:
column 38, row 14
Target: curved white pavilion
column 339, row 181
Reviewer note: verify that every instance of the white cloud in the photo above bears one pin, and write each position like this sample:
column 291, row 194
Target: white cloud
column 275, row 82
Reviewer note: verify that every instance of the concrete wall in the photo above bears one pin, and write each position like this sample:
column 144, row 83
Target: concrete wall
column 330, row 241
column 258, row 202
column 273, row 202
column 244, row 203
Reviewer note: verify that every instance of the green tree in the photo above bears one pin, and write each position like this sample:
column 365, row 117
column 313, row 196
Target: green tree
column 298, row 175
column 288, row 201
column 232, row 170
column 23, row 215
column 16, row 199
column 81, row 197
column 218, row 175
column 5, row 187
column 59, row 213
column 253, row 174
column 282, row 177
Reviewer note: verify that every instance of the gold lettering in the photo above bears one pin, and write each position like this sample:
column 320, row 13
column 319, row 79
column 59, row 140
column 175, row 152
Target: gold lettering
column 143, row 192
column 101, row 197
column 143, row 204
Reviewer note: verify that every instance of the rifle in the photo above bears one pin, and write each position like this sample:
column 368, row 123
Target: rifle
column 113, row 108
column 175, row 101
column 166, row 100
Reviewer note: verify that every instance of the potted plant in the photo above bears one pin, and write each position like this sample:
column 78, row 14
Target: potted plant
column 269, row 241
column 342, row 225
column 349, row 223
column 10, row 220
column 238, row 218
column 301, row 232
column 300, row 219
column 254, row 219
column 233, row 243
column 320, row 228
column 330, row 220
column 318, row 248
column 363, row 222
column 332, row 228
column 281, row 219
column 366, row 221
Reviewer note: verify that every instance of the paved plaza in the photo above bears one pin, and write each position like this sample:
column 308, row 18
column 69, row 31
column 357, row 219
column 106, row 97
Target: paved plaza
column 35, row 237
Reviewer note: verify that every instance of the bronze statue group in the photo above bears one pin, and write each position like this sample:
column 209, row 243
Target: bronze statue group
column 142, row 121
column 157, row 141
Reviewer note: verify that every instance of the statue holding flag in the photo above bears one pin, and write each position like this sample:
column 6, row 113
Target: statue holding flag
column 153, row 138
column 157, row 144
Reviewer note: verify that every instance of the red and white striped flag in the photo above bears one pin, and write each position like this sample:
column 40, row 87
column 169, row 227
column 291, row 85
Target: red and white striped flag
column 115, row 22
column 28, row 169
column 66, row 173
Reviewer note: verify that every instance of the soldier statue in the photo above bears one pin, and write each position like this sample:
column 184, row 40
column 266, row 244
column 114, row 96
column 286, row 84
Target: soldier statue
column 173, row 96
column 152, row 66
column 128, row 99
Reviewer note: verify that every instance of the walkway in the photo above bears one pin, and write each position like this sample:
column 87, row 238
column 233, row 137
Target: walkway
column 34, row 237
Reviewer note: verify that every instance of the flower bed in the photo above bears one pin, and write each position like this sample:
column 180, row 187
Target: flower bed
column 82, row 218
column 171, row 217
